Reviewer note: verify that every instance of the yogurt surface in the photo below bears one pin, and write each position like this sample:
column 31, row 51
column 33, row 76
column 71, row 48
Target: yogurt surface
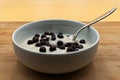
column 66, row 39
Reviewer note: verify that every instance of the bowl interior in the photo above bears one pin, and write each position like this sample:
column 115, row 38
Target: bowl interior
column 65, row 26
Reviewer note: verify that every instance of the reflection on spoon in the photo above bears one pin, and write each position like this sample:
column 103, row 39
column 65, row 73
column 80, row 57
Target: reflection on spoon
column 93, row 22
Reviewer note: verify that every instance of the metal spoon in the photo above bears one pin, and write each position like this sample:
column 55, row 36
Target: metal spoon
column 93, row 22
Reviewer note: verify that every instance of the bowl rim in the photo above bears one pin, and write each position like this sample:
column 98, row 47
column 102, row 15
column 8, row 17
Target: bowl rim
column 67, row 53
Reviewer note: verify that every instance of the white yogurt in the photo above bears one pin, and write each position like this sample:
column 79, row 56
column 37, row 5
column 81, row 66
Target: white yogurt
column 66, row 39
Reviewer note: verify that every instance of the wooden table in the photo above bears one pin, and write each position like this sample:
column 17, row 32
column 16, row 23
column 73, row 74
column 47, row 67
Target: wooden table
column 105, row 65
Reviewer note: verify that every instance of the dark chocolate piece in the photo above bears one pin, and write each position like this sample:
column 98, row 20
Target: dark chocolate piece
column 30, row 42
column 42, row 49
column 47, row 38
column 38, row 44
column 75, row 43
column 47, row 33
column 51, row 33
column 53, row 38
column 80, row 46
column 52, row 48
column 60, row 43
column 82, row 41
column 43, row 35
column 70, row 49
column 37, row 35
column 60, row 35
column 35, row 39
column 43, row 42
column 68, row 44
column 61, row 47
column 47, row 43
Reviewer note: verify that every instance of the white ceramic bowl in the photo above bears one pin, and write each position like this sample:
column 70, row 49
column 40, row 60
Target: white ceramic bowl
column 55, row 63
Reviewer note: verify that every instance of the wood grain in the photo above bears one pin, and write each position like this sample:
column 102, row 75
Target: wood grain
column 105, row 65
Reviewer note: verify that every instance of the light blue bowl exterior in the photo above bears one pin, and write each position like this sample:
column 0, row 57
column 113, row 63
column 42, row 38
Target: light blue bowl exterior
column 55, row 63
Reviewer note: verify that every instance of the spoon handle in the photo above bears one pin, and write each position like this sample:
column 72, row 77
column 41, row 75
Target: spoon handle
column 94, row 21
